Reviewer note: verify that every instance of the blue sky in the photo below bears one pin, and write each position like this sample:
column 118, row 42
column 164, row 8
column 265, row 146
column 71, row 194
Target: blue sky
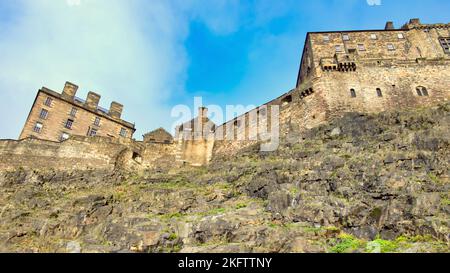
column 153, row 55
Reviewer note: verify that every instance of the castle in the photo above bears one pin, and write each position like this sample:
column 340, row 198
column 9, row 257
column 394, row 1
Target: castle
column 365, row 71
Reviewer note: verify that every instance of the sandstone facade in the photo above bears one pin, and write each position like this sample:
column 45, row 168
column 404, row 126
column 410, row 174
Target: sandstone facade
column 57, row 117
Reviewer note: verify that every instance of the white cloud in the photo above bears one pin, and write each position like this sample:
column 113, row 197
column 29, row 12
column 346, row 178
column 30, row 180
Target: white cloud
column 126, row 53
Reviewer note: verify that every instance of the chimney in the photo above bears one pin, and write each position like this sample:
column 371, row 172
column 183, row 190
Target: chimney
column 92, row 100
column 389, row 25
column 115, row 110
column 70, row 90
column 202, row 113
column 414, row 21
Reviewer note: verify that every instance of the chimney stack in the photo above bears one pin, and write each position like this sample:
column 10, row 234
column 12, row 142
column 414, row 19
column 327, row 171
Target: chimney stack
column 70, row 90
column 202, row 113
column 389, row 25
column 414, row 21
column 92, row 100
column 115, row 110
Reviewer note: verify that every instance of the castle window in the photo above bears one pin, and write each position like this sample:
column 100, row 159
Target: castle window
column 43, row 114
column 361, row 47
column 390, row 47
column 422, row 91
column 69, row 124
column 326, row 38
column 64, row 136
column 97, row 121
column 123, row 132
column 73, row 112
column 345, row 37
column 286, row 100
column 353, row 93
column 338, row 48
column 373, row 36
column 379, row 93
column 445, row 43
column 93, row 132
column 38, row 127
column 401, row 36
column 48, row 101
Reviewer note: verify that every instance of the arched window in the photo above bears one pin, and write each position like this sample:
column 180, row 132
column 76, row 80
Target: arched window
column 353, row 93
column 422, row 91
column 379, row 93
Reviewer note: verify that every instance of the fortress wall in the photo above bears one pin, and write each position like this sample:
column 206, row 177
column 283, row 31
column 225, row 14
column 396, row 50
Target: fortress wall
column 397, row 83
column 159, row 155
column 196, row 152
column 74, row 154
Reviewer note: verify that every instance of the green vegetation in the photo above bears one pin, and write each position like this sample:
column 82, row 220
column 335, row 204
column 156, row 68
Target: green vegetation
column 347, row 243
column 172, row 237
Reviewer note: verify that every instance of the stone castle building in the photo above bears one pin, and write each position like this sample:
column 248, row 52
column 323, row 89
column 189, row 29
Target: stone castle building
column 366, row 71
column 56, row 116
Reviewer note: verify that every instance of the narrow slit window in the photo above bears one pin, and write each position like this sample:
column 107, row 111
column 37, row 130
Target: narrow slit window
column 379, row 93
column 353, row 93
column 97, row 121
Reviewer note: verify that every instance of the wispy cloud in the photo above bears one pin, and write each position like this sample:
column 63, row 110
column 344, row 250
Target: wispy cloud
column 109, row 46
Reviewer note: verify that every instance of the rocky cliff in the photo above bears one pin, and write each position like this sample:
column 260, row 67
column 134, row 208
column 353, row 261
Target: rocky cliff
column 361, row 183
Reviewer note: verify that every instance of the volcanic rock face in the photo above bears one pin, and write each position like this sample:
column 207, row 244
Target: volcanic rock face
column 361, row 183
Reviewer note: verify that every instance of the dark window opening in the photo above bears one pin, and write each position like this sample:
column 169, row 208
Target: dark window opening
column 137, row 157
column 97, row 121
column 379, row 93
column 353, row 93
column 69, row 124
column 123, row 132
column 286, row 100
column 43, row 114
column 93, row 133
column 422, row 91
column 445, row 43
column 48, row 101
